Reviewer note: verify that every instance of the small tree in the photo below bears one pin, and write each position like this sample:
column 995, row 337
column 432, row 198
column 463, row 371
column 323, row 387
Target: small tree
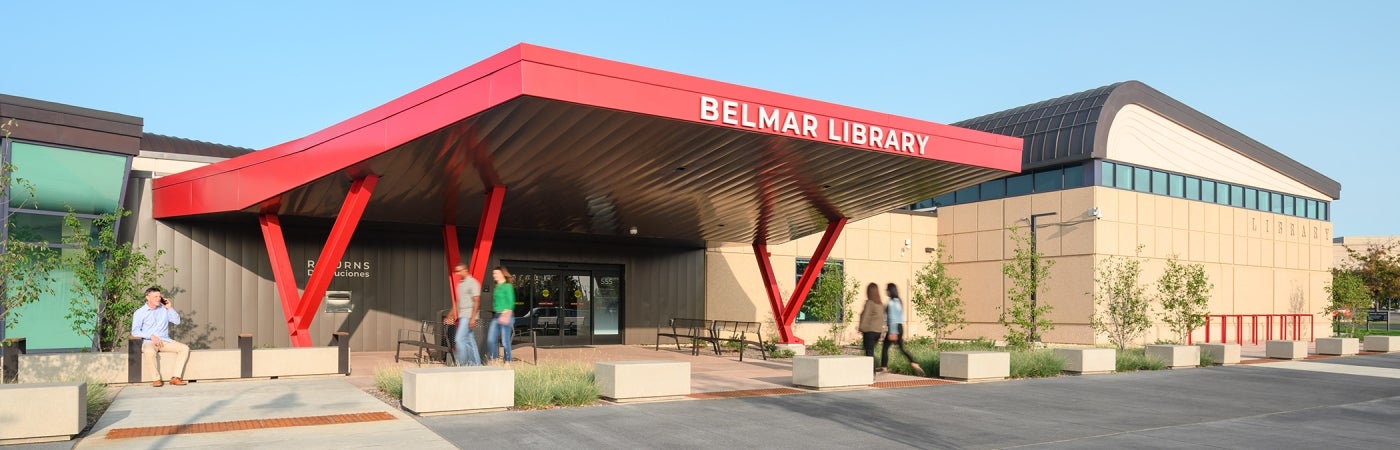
column 830, row 301
column 1121, row 299
column 1184, row 291
column 110, row 278
column 1378, row 266
column 26, row 263
column 1028, row 270
column 936, row 299
column 1348, row 294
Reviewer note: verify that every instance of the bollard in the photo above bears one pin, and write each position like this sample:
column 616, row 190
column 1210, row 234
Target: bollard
column 12, row 348
column 342, row 340
column 245, row 355
column 133, row 359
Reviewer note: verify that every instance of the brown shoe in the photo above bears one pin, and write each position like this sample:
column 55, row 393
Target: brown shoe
column 158, row 383
column 177, row 381
column 917, row 370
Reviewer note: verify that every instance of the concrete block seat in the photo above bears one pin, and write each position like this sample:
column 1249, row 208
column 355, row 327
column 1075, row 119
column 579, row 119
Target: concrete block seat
column 625, row 381
column 63, row 413
column 1082, row 361
column 1338, row 346
column 974, row 366
column 1382, row 343
column 1176, row 356
column 833, row 372
column 1222, row 354
column 455, row 390
column 1286, row 349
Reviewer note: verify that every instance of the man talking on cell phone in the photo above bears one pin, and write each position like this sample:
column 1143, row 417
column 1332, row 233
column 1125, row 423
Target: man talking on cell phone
column 151, row 322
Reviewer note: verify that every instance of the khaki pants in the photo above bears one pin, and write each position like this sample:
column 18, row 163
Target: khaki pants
column 182, row 355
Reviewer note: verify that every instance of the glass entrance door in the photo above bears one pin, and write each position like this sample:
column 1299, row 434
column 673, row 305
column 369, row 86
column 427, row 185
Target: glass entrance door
column 569, row 305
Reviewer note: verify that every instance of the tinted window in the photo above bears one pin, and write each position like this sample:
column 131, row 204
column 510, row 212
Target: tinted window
column 1142, row 180
column 1222, row 193
column 1276, row 203
column 1048, row 181
column 1193, row 188
column 1106, row 171
column 1074, row 177
column 1288, row 205
column 1159, row 183
column 1208, row 191
column 1123, row 177
column 966, row 195
column 1018, row 185
column 1236, row 196
column 1176, row 185
column 1298, row 206
column 994, row 189
column 1251, row 197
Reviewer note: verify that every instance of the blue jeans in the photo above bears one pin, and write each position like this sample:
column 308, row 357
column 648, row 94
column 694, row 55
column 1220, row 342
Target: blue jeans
column 465, row 350
column 498, row 335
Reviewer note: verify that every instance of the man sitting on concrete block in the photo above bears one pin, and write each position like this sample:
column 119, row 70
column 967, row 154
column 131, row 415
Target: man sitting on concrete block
column 152, row 323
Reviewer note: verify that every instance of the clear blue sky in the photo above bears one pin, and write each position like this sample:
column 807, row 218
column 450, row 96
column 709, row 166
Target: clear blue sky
column 1316, row 81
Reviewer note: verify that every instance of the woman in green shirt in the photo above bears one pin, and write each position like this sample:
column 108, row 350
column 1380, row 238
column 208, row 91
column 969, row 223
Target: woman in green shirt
column 503, row 300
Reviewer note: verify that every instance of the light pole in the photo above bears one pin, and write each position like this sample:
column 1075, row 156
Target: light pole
column 1035, row 281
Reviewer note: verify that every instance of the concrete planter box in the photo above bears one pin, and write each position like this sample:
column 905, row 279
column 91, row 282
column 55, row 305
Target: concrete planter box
column 1382, row 344
column 1338, row 346
column 1286, row 349
column 830, row 372
column 282, row 362
column 797, row 349
column 42, row 412
column 65, row 367
column 974, row 366
column 1082, row 361
column 456, row 390
column 624, row 381
column 1223, row 354
column 1176, row 356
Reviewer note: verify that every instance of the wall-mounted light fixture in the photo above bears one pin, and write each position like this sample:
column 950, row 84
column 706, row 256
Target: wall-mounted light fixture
column 632, row 231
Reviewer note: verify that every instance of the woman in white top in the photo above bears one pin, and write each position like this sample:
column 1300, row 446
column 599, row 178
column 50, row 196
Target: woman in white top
column 894, row 314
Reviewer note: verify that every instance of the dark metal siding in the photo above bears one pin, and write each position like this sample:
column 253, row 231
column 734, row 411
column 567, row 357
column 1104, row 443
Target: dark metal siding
column 224, row 286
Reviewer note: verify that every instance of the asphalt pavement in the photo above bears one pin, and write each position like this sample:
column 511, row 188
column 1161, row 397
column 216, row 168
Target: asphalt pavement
column 1347, row 402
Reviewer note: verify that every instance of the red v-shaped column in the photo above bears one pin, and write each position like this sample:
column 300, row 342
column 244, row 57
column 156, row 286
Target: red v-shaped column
column 300, row 310
column 784, row 315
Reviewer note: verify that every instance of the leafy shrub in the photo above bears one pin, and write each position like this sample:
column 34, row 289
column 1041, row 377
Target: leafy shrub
column 389, row 379
column 825, row 347
column 1207, row 359
column 781, row 353
column 1134, row 359
column 1036, row 363
column 543, row 386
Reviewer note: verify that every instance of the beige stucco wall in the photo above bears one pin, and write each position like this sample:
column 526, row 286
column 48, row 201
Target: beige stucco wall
column 1260, row 263
column 872, row 250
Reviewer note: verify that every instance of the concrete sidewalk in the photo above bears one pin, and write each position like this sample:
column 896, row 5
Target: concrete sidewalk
column 1333, row 402
column 283, row 408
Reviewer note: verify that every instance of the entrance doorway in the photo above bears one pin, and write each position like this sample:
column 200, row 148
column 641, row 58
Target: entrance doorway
column 568, row 304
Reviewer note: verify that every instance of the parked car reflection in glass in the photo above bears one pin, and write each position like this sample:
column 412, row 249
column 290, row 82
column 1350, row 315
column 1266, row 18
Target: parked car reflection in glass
column 546, row 320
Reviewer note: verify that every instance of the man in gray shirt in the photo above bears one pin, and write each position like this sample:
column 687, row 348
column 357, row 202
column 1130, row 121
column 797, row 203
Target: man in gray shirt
column 468, row 301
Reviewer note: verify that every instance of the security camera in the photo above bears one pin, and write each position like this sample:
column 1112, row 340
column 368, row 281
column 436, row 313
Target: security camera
column 1094, row 212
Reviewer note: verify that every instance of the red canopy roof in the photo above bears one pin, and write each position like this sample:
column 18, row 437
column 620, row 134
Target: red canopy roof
column 596, row 146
